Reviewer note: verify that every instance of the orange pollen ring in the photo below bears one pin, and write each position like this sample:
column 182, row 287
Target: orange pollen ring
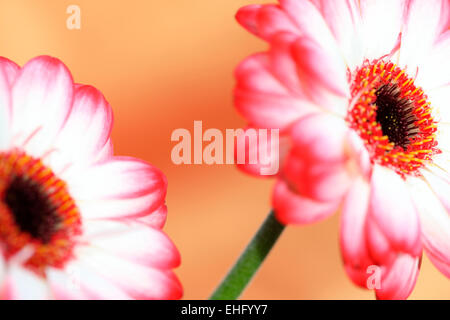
column 36, row 211
column 392, row 116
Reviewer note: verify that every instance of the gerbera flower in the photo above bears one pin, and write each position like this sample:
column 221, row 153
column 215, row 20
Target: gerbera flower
column 360, row 91
column 76, row 222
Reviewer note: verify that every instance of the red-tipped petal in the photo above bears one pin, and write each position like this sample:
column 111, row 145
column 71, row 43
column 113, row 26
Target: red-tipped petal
column 292, row 208
column 42, row 98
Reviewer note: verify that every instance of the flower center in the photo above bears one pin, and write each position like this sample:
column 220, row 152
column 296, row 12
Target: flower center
column 36, row 210
column 392, row 116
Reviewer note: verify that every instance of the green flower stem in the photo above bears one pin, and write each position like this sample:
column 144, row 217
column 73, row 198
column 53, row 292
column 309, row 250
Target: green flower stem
column 249, row 262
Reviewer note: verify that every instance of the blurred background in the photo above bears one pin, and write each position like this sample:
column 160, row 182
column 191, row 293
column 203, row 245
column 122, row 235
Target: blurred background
column 162, row 65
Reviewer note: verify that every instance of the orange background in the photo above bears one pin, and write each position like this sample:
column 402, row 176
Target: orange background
column 162, row 65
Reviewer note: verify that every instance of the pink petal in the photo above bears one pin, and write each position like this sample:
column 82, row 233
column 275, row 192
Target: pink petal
column 380, row 249
column 399, row 280
column 328, row 75
column 294, row 60
column 321, row 137
column 392, row 212
column 86, row 131
column 314, row 180
column 358, row 274
column 292, row 208
column 265, row 99
column 117, row 188
column 8, row 72
column 310, row 21
column 320, row 82
column 247, row 17
column 284, row 65
column 361, row 157
column 261, row 153
column 366, row 250
column 265, row 20
column 318, row 161
column 136, row 242
column 353, row 232
column 315, row 21
column 42, row 99
column 275, row 89
column 255, row 74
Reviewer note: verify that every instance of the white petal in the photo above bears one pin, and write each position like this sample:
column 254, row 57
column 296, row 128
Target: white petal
column 156, row 219
column 311, row 22
column 421, row 29
column 392, row 211
column 440, row 103
column 344, row 20
column 443, row 161
column 434, row 72
column 435, row 220
column 137, row 281
column 119, row 187
column 26, row 285
column 65, row 284
column 134, row 241
column 79, row 282
column 441, row 265
column 85, row 133
column 107, row 151
column 381, row 25
column 42, row 98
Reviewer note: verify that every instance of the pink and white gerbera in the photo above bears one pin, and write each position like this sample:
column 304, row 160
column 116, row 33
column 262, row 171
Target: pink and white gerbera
column 76, row 222
column 360, row 91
